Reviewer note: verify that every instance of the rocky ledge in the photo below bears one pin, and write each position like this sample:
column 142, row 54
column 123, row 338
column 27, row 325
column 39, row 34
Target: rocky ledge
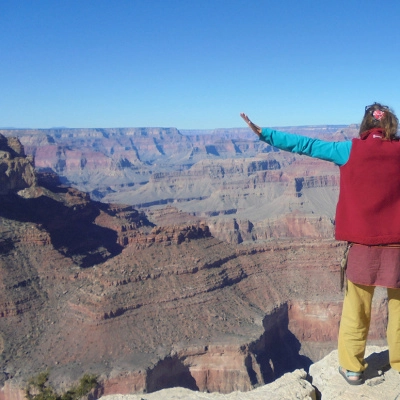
column 323, row 382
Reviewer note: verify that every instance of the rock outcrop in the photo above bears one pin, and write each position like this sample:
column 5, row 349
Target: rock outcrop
column 324, row 382
column 381, row 382
column 290, row 386
column 16, row 171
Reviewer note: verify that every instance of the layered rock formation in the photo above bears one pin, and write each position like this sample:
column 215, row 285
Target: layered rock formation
column 16, row 171
column 244, row 189
column 152, row 301
column 290, row 386
column 324, row 382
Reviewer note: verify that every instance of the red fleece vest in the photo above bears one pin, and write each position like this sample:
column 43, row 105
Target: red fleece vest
column 368, row 210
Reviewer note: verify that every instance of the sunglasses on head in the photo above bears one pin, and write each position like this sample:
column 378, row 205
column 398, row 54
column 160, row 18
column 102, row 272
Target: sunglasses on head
column 380, row 107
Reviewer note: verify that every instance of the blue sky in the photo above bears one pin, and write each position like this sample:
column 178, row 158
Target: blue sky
column 195, row 64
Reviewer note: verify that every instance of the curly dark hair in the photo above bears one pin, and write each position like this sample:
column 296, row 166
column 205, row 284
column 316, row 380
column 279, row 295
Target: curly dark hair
column 388, row 123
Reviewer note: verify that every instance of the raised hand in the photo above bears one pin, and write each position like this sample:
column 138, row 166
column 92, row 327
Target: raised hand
column 255, row 128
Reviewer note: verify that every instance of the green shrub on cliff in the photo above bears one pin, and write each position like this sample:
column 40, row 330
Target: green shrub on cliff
column 39, row 389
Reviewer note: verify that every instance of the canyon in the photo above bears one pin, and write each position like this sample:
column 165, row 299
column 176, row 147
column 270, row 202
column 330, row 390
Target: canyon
column 243, row 188
column 154, row 258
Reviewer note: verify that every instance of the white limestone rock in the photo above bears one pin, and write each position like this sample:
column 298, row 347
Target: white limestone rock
column 381, row 382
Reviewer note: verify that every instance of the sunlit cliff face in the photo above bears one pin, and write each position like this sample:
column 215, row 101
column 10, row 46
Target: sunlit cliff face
column 243, row 188
column 144, row 299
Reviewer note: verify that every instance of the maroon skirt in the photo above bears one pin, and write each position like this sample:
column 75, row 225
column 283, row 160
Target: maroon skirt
column 374, row 265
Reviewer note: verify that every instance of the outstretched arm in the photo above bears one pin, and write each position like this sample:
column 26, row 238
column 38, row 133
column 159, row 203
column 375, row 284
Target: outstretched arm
column 336, row 152
column 255, row 128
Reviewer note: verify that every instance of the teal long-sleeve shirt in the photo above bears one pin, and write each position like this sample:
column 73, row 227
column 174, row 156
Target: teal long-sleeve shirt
column 336, row 152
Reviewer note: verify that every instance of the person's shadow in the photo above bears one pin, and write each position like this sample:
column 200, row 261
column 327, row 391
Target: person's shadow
column 378, row 364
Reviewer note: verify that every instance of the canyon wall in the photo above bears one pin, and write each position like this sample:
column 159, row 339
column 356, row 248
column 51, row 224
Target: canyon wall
column 224, row 289
column 324, row 382
column 244, row 189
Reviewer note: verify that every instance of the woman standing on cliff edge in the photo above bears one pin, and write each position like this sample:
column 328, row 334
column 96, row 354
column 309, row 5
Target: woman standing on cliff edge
column 368, row 218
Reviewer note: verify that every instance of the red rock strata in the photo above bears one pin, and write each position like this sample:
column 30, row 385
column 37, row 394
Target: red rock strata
column 88, row 287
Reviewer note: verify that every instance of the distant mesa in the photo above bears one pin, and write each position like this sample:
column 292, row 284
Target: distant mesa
column 226, row 176
column 205, row 286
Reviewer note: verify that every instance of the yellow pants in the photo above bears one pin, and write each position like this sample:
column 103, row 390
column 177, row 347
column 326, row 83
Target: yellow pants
column 354, row 326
